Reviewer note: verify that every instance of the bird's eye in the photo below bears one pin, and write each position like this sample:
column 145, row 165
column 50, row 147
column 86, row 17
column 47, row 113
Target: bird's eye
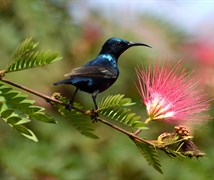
column 118, row 43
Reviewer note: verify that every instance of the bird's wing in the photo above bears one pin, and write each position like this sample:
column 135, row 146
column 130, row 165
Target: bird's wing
column 93, row 71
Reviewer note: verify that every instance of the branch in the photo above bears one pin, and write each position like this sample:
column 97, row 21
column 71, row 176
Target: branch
column 131, row 135
column 49, row 99
column 45, row 97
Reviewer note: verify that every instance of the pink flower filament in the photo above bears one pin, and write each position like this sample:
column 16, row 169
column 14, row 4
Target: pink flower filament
column 172, row 95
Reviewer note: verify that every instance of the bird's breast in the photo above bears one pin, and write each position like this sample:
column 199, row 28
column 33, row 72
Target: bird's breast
column 109, row 60
column 103, row 60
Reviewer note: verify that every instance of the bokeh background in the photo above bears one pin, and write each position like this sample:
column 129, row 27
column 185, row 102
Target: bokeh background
column 77, row 29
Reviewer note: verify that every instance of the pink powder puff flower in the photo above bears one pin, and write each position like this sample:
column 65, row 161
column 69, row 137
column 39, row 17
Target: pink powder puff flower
column 172, row 95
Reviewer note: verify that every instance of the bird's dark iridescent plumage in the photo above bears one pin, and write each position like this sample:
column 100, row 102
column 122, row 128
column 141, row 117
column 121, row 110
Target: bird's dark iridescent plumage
column 100, row 73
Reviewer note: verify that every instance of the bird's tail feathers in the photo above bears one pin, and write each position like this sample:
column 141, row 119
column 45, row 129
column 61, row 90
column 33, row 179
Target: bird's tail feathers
column 65, row 81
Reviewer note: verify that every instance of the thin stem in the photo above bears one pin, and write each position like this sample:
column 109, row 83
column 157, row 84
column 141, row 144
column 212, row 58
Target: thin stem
column 139, row 130
column 49, row 99
column 148, row 120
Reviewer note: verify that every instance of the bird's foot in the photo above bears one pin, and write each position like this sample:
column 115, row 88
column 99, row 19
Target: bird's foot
column 48, row 101
column 69, row 106
column 94, row 115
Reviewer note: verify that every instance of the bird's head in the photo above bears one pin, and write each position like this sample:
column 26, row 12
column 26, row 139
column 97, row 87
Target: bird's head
column 116, row 46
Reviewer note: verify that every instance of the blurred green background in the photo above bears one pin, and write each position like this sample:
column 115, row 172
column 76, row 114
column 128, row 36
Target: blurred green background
column 77, row 29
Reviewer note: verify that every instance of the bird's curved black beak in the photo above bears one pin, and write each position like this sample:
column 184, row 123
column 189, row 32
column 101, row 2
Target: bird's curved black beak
column 138, row 44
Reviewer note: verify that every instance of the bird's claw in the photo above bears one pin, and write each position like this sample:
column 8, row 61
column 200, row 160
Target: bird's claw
column 69, row 106
column 94, row 115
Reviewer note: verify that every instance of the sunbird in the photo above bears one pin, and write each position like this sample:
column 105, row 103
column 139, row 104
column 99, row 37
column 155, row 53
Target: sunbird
column 100, row 73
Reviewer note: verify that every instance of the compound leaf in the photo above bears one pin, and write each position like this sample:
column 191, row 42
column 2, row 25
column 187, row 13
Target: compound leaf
column 27, row 56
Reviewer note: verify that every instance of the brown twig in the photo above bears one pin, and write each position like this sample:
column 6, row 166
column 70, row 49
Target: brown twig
column 131, row 135
column 49, row 99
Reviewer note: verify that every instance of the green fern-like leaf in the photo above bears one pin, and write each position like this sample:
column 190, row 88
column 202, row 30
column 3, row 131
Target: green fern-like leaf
column 150, row 154
column 80, row 121
column 17, row 110
column 25, row 132
column 114, row 101
column 24, row 47
column 27, row 56
column 115, row 107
